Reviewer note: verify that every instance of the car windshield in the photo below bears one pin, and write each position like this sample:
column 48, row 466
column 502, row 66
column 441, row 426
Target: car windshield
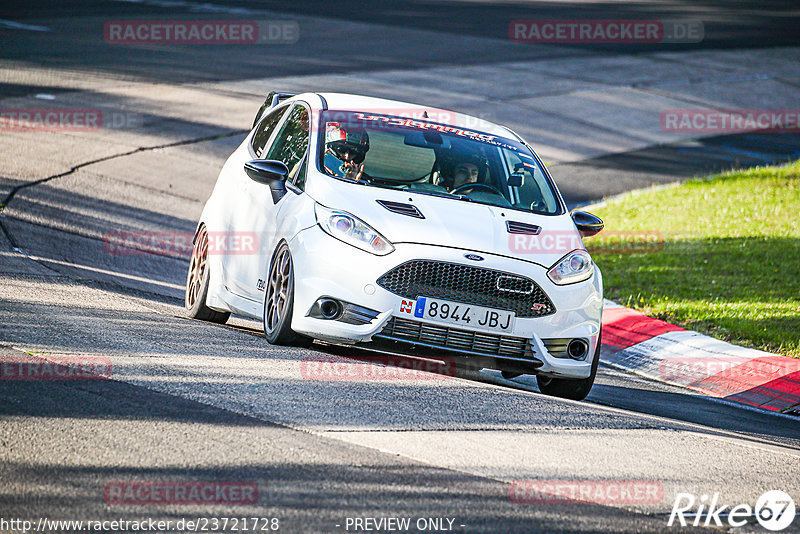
column 425, row 157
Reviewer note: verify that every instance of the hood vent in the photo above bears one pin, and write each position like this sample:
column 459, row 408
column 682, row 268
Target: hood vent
column 515, row 227
column 402, row 209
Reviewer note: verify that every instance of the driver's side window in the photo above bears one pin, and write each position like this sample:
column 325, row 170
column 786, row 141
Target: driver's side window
column 264, row 131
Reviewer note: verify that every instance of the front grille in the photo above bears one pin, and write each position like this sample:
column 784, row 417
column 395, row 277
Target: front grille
column 468, row 284
column 444, row 337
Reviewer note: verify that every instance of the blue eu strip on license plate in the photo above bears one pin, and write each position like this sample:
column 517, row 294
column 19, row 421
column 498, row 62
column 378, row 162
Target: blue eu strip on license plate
column 419, row 310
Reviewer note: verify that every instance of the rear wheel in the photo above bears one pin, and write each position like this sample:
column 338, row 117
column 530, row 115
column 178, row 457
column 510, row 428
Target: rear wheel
column 279, row 301
column 197, row 283
column 570, row 388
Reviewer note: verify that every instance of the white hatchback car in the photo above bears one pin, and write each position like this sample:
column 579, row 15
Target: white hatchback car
column 352, row 219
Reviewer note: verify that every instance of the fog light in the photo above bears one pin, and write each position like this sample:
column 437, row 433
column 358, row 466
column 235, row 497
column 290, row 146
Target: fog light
column 326, row 308
column 577, row 349
column 329, row 308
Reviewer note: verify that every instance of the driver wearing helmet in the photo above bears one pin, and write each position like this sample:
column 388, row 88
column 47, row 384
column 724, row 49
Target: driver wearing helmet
column 349, row 145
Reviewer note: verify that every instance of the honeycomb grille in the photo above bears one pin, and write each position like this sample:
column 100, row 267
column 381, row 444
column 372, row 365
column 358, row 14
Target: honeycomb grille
column 468, row 284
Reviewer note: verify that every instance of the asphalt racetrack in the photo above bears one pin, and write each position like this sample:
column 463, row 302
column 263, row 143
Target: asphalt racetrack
column 191, row 402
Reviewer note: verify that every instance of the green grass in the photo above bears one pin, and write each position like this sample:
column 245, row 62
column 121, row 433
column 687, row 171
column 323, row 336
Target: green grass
column 730, row 262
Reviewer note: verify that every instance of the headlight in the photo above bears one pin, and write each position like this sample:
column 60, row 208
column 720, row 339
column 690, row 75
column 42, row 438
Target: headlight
column 574, row 267
column 352, row 230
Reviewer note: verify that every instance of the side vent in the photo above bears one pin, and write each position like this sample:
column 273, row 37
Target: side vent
column 402, row 209
column 515, row 227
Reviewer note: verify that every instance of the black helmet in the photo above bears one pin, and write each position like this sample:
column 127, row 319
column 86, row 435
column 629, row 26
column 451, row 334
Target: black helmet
column 341, row 138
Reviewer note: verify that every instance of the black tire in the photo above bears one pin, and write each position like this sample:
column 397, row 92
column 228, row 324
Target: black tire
column 197, row 283
column 279, row 301
column 569, row 388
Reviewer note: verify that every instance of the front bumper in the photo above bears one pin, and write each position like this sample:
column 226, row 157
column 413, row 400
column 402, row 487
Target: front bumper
column 325, row 266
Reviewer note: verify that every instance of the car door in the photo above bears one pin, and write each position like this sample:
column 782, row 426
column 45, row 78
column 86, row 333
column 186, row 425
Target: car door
column 289, row 146
column 245, row 203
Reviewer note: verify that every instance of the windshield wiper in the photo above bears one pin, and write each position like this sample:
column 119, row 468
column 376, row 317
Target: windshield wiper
column 461, row 197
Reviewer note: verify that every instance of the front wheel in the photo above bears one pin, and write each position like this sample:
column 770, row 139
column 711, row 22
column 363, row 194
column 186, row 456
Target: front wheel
column 279, row 301
column 197, row 283
column 570, row 388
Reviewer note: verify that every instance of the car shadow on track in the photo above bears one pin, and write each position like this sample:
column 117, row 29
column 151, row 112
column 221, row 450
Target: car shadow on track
column 614, row 389
column 611, row 390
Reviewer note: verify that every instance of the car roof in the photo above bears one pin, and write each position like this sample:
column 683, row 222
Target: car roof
column 349, row 102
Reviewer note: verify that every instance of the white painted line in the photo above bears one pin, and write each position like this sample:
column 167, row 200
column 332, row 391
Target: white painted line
column 195, row 7
column 19, row 26
column 98, row 270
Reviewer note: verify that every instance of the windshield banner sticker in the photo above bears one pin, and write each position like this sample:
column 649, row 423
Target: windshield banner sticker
column 412, row 123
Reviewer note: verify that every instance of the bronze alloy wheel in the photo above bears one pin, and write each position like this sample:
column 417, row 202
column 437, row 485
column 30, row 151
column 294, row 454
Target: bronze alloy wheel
column 279, row 301
column 197, row 268
column 197, row 282
column 281, row 279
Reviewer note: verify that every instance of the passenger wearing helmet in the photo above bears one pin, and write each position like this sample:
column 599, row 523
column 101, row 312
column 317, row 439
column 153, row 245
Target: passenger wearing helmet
column 349, row 145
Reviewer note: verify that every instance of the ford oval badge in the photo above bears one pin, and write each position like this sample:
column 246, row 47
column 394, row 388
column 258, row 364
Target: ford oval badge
column 473, row 257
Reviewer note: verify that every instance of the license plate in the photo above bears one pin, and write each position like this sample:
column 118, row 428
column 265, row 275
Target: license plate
column 458, row 314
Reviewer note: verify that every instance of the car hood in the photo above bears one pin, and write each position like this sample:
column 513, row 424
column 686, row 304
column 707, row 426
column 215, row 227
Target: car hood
column 452, row 223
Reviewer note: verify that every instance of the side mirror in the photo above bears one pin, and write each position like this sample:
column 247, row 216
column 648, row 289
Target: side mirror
column 588, row 224
column 270, row 172
column 265, row 171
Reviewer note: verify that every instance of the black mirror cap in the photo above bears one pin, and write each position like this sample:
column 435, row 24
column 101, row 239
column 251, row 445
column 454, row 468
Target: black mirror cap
column 270, row 172
column 587, row 223
column 266, row 171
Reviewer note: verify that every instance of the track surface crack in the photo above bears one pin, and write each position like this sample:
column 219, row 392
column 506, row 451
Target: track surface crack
column 11, row 194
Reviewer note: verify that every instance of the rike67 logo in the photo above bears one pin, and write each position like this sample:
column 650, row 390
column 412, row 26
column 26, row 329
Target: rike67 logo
column 774, row 510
